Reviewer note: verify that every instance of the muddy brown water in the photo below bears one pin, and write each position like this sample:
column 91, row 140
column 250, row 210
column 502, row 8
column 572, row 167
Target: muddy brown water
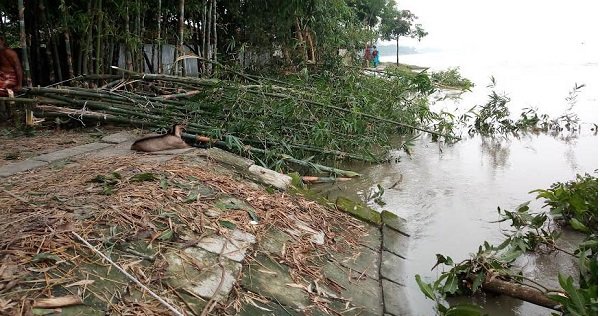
column 449, row 196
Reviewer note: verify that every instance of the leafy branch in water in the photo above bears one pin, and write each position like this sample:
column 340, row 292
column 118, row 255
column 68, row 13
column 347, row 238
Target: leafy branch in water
column 452, row 79
column 494, row 117
column 491, row 268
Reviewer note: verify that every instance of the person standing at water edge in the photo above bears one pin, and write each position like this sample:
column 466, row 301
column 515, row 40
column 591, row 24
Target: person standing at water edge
column 368, row 55
column 375, row 56
column 11, row 73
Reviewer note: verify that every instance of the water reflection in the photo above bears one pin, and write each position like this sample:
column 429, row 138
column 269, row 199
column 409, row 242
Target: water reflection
column 449, row 199
column 497, row 149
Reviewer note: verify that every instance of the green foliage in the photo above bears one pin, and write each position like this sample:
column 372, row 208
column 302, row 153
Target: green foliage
column 574, row 202
column 452, row 78
column 530, row 232
column 494, row 116
column 295, row 114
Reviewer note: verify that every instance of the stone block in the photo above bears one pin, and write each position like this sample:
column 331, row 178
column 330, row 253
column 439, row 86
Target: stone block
column 365, row 294
column 274, row 241
column 363, row 261
column 373, row 238
column 272, row 280
column 13, row 168
column 394, row 296
column 235, row 245
column 392, row 267
column 394, row 221
column 71, row 152
column 358, row 210
column 198, row 271
column 395, row 242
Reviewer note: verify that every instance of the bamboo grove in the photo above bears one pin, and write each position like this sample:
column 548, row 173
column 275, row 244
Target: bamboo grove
column 268, row 80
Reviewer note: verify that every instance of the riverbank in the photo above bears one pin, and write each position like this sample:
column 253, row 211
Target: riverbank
column 195, row 228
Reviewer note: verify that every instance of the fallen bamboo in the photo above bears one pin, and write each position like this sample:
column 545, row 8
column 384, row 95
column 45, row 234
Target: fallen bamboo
column 250, row 149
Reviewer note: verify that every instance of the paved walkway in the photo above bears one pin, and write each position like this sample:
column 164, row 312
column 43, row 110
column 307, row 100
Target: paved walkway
column 368, row 279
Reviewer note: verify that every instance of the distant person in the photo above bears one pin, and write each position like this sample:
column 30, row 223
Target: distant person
column 368, row 56
column 375, row 56
column 11, row 73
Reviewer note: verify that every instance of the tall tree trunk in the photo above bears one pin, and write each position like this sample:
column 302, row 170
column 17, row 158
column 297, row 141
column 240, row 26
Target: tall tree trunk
column 128, row 53
column 138, row 29
column 142, row 42
column 215, row 30
column 397, row 50
column 23, row 39
column 204, row 51
column 197, row 43
column 86, row 42
column 99, row 37
column 67, row 39
column 159, row 39
column 54, row 41
column 208, row 55
column 36, row 41
column 180, row 44
column 46, row 26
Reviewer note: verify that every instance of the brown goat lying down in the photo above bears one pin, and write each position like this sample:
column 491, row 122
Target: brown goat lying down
column 171, row 140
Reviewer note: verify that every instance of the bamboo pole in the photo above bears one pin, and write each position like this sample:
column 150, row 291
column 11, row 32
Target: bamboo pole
column 28, row 112
column 250, row 149
column 203, row 54
column 100, row 15
column 23, row 39
column 215, row 30
column 178, row 70
column 44, row 18
column 208, row 47
column 64, row 12
column 159, row 39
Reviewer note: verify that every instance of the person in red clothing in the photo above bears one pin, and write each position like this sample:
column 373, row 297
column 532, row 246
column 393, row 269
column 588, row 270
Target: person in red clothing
column 11, row 73
column 368, row 55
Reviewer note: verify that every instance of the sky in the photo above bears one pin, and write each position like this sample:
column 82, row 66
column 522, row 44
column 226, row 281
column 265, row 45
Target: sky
column 504, row 25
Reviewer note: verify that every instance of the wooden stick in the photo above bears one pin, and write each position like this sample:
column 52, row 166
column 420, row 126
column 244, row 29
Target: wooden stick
column 57, row 301
column 132, row 278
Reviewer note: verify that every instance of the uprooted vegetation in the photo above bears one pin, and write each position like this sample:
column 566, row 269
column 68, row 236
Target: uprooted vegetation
column 283, row 122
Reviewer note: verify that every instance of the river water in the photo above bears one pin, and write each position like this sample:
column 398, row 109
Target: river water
column 449, row 193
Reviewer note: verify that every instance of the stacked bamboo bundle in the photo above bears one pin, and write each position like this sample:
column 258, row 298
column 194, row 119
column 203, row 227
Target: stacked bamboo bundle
column 277, row 123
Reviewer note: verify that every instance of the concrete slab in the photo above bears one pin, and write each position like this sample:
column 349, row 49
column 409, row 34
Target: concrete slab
column 119, row 137
column 394, row 221
column 274, row 241
column 235, row 245
column 199, row 271
column 272, row 280
column 363, row 261
column 364, row 294
column 71, row 152
column 392, row 267
column 373, row 239
column 395, row 299
column 395, row 242
column 261, row 309
column 13, row 168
